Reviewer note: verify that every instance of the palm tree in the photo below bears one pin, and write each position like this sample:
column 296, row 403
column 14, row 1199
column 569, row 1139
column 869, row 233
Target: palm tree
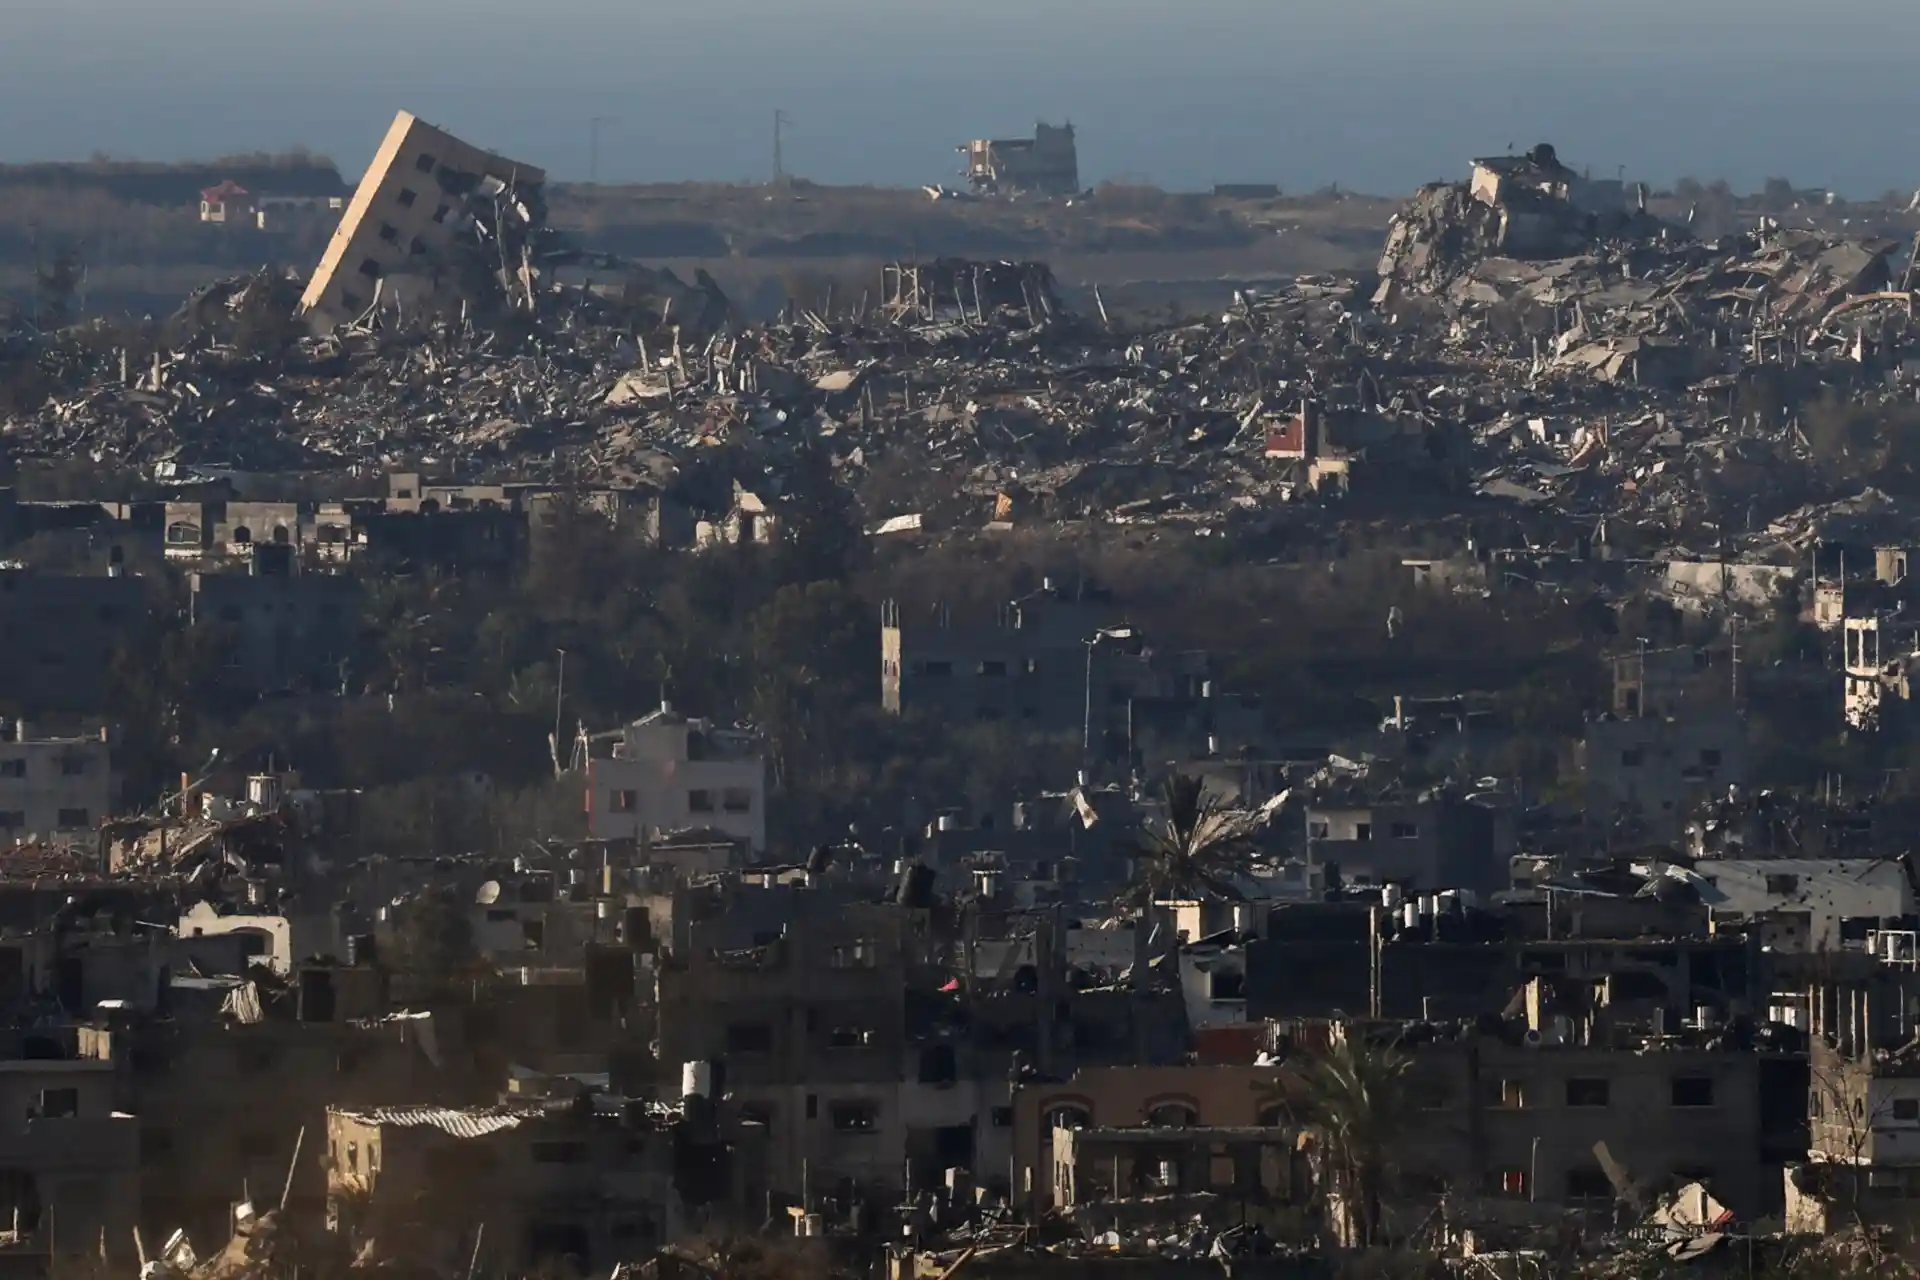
column 1194, row 849
column 1354, row 1094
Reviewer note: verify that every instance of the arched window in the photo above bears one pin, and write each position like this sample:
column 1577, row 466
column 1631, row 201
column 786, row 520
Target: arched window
column 1069, row 1115
column 1173, row 1115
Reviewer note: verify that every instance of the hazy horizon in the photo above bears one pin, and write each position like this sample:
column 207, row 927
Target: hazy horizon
column 1376, row 95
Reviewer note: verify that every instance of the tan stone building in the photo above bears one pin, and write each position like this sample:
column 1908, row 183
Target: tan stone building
column 396, row 234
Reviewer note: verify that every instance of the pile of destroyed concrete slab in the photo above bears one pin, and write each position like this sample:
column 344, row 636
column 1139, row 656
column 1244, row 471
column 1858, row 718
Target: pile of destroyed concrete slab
column 1539, row 343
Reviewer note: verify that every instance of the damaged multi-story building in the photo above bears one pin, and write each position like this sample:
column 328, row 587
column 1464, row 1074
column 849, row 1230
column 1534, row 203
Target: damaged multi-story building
column 1046, row 164
column 666, row 772
column 399, row 240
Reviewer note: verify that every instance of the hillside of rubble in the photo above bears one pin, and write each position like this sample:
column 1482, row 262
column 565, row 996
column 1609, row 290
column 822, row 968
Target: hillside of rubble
column 1623, row 378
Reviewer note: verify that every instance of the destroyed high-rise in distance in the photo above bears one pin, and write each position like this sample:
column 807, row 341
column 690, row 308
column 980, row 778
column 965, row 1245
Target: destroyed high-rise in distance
column 401, row 223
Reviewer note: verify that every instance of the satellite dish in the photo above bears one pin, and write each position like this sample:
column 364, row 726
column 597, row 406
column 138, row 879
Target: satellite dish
column 488, row 893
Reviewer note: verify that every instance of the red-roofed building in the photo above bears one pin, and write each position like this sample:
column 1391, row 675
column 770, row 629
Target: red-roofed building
column 227, row 203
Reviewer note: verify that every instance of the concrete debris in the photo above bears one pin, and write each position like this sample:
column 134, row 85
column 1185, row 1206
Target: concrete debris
column 1540, row 347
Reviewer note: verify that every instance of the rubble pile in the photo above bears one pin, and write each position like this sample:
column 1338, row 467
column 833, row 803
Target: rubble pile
column 1528, row 207
column 1625, row 380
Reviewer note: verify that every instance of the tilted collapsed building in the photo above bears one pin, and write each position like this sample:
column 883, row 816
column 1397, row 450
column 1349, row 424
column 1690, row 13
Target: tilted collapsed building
column 417, row 202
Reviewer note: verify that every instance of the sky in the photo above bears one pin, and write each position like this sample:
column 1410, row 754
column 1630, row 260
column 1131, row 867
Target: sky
column 1375, row 95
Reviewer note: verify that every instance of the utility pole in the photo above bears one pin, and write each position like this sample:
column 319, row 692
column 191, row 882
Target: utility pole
column 780, row 121
column 593, row 146
column 559, row 699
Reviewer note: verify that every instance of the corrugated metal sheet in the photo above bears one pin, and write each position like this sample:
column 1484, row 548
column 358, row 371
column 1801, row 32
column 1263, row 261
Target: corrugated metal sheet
column 472, row 1122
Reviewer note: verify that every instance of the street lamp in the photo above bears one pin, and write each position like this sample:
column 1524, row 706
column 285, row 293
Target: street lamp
column 1086, row 730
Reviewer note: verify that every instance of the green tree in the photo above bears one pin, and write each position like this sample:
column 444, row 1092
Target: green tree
column 823, row 536
column 1193, row 849
column 1355, row 1096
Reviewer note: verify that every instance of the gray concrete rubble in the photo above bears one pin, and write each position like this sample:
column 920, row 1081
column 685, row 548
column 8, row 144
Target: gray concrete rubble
column 1535, row 345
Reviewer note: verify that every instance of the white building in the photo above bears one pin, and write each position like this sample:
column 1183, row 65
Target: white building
column 1805, row 904
column 53, row 787
column 668, row 773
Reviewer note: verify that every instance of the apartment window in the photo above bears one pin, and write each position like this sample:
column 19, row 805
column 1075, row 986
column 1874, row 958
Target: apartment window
column 1588, row 1184
column 1363, row 831
column 12, row 819
column 1710, row 757
column 1507, row 1182
column 1003, row 1117
column 59, row 1103
column 1509, row 1094
column 1317, row 831
column 749, row 1037
column 813, row 1106
column 1227, row 986
column 1906, row 1109
column 1588, row 1093
column 849, row 1038
column 993, row 668
column 389, row 233
column 1405, row 831
column 936, row 669
column 70, row 818
column 73, row 766
column 559, row 1152
column 353, row 1157
column 1693, row 1091
column 1633, row 759
column 737, row 800
column 622, row 802
column 1782, row 884
column 370, row 269
column 13, row 768
column 424, row 164
column 855, row 1117
column 859, row 954
column 700, row 801
column 407, row 197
